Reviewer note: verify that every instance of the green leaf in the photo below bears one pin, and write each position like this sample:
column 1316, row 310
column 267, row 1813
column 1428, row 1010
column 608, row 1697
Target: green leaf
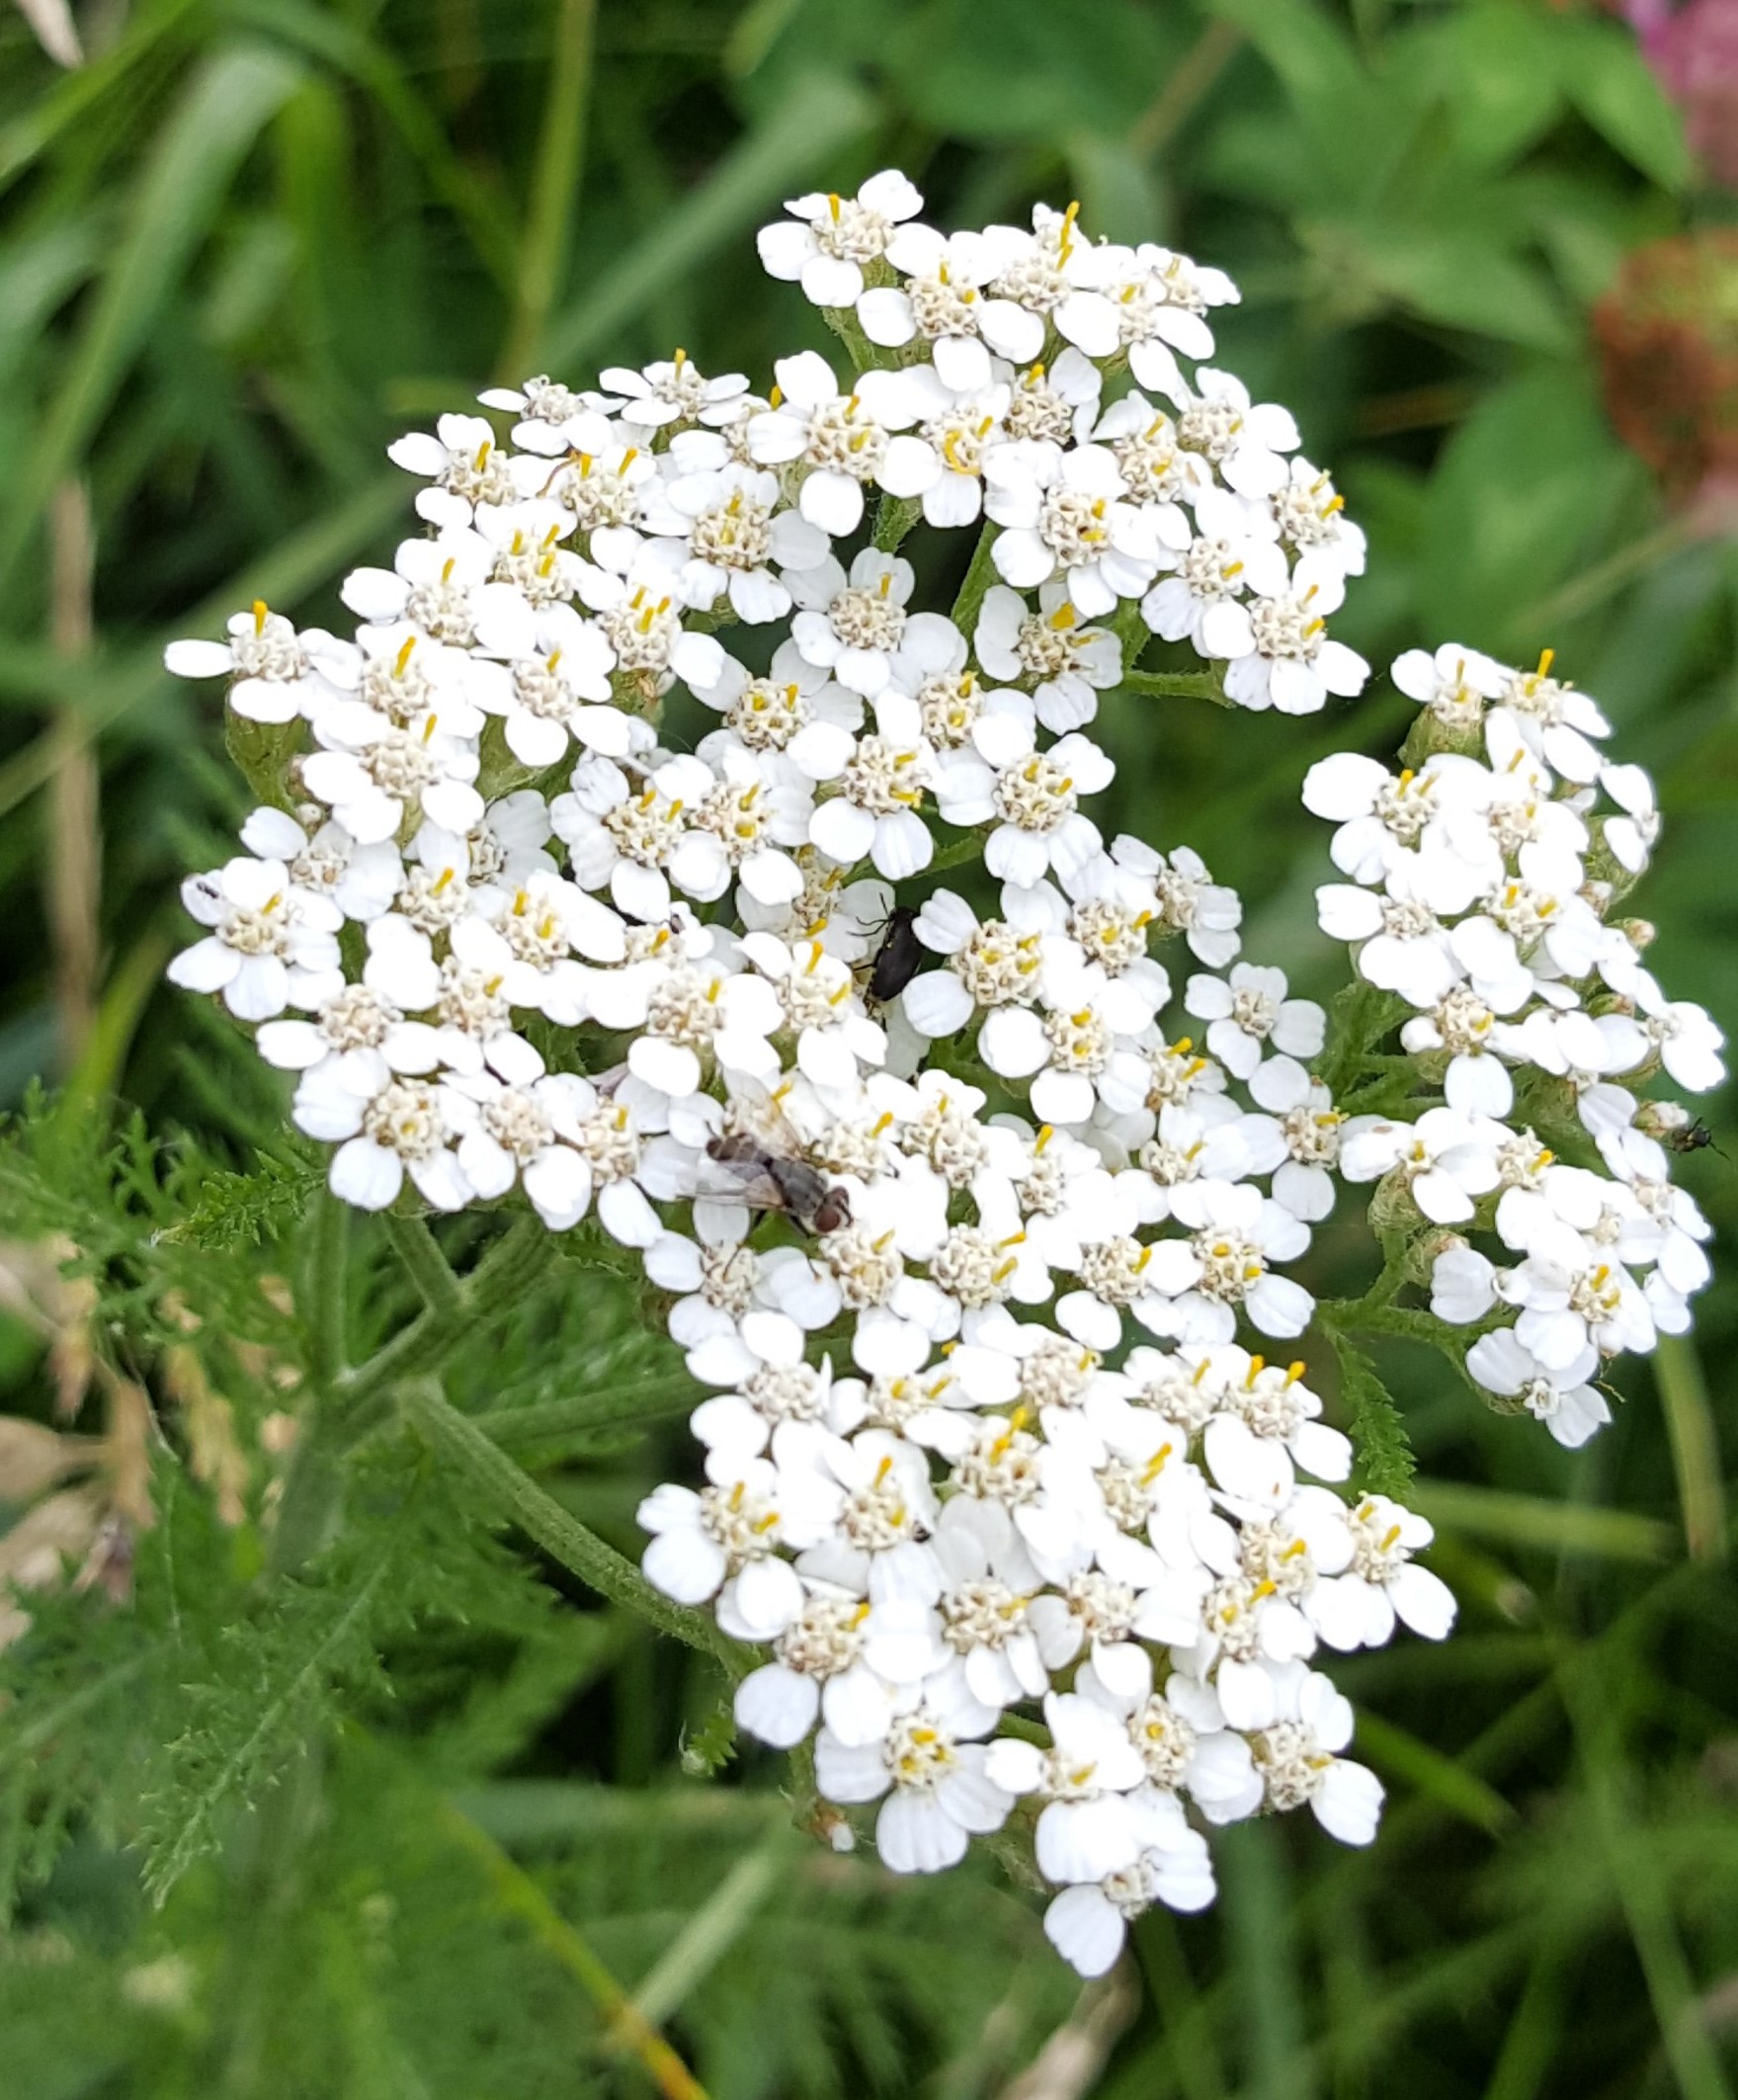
column 1540, row 1524
column 241, row 1209
column 1462, row 278
column 1611, row 84
column 226, row 105
column 814, row 126
column 1385, row 1463
column 1520, row 489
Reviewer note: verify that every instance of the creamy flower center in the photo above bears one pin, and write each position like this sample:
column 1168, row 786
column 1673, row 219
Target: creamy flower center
column 1115, row 1270
column 998, row 967
column 844, row 439
column 1002, row 1467
column 1080, row 1042
column 358, row 1019
column 606, row 1136
column 271, row 650
column 745, row 1525
column 405, row 1118
column 865, row 1265
column 1036, row 794
column 883, row 777
column 736, row 535
column 1291, row 1762
column 517, row 1124
column 981, row 1615
column 919, row 1752
column 951, row 704
column 767, row 715
column 1165, row 1740
column 972, row 1268
column 1230, row 1265
column 825, row 1639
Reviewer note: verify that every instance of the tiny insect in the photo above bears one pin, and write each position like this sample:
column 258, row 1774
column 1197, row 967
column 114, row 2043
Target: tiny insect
column 898, row 957
column 764, row 1169
column 1689, row 1138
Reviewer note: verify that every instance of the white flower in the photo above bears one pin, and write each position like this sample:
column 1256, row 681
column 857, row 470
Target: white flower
column 392, row 1126
column 1454, row 684
column 1283, row 657
column 1251, row 1010
column 843, row 440
column 1571, row 1295
column 1302, row 1133
column 991, row 964
column 642, row 624
column 1631, row 837
column 672, row 390
column 276, row 673
column 561, row 691
column 840, row 1657
column 828, row 238
column 463, row 460
column 852, row 628
column 1206, row 913
column 735, row 537
column 1296, row 1757
column 932, row 1773
column 1086, row 1830
column 362, row 880
column 1443, row 1160
column 942, row 302
column 272, row 944
column 1311, row 517
column 1033, row 800
column 1569, row 1406
column 1381, row 1582
column 1069, row 515
column 1243, row 439
column 442, row 588
column 1689, row 1039
column 723, row 1542
column 1476, row 1082
column 880, row 782
column 1063, row 663
column 766, row 713
column 1228, row 555
column 1557, row 722
column 375, row 776
column 818, row 995
column 1402, row 946
column 1197, row 1285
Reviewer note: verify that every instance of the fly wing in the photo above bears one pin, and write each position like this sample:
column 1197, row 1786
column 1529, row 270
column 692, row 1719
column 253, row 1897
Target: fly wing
column 738, row 1170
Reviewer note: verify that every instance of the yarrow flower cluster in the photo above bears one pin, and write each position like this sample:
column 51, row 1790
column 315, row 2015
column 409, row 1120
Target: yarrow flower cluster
column 975, row 1201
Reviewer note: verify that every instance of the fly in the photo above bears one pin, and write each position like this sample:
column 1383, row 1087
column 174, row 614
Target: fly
column 765, row 1171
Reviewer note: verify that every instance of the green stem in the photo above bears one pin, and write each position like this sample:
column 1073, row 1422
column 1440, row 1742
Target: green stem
column 978, row 579
column 325, row 1303
column 626, row 2026
column 419, row 1250
column 517, row 1497
column 542, row 254
column 895, row 518
column 1178, row 685
column 507, row 1274
column 528, row 1428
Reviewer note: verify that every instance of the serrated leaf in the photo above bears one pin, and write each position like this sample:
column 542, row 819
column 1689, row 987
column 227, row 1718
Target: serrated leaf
column 1384, row 1463
column 239, row 1210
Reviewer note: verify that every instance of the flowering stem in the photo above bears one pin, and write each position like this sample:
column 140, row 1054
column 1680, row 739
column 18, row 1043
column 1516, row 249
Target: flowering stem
column 419, row 1250
column 515, row 1496
column 325, row 1311
column 507, row 1273
column 895, row 518
column 1178, row 685
column 978, row 578
column 626, row 2026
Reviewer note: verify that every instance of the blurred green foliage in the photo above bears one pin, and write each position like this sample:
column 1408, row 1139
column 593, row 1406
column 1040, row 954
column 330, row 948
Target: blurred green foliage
column 239, row 249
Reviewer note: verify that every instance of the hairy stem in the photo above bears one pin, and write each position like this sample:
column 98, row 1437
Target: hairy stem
column 978, row 579
column 513, row 1495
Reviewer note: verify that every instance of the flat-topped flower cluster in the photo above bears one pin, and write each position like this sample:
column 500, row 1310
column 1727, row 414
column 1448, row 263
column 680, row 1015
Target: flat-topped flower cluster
column 973, row 1200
